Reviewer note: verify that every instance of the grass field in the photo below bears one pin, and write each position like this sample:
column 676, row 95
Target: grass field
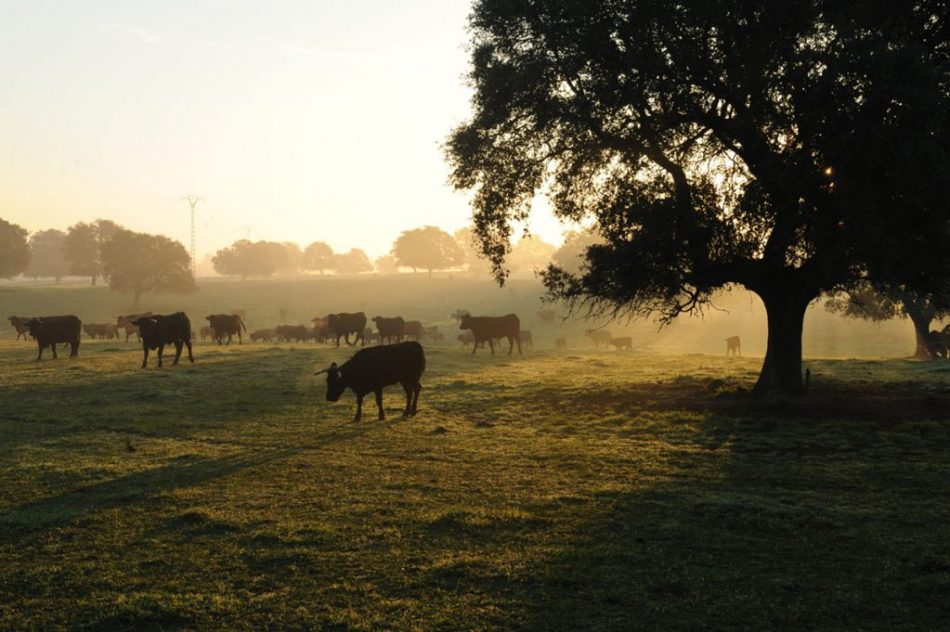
column 581, row 490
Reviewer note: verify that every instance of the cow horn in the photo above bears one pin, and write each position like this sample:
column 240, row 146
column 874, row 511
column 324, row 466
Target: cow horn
column 326, row 370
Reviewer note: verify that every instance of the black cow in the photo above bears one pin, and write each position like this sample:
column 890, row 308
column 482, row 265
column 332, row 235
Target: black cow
column 48, row 330
column 297, row 333
column 157, row 331
column 342, row 325
column 370, row 369
column 390, row 328
column 487, row 328
column 226, row 325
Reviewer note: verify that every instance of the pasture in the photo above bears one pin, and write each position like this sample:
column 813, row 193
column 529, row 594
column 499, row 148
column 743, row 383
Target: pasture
column 580, row 489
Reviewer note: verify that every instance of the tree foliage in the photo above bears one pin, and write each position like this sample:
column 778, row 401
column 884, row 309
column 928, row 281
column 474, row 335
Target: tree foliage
column 46, row 255
column 429, row 248
column 82, row 247
column 14, row 249
column 138, row 263
column 572, row 254
column 251, row 258
column 354, row 261
column 387, row 264
column 475, row 263
column 318, row 256
column 530, row 255
column 792, row 148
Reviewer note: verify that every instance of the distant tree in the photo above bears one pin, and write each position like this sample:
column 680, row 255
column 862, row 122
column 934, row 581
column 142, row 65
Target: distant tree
column 353, row 262
column 251, row 258
column 530, row 255
column 82, row 246
column 318, row 256
column 294, row 257
column 572, row 254
column 791, row 148
column 139, row 263
column 46, row 255
column 886, row 302
column 14, row 250
column 387, row 263
column 476, row 264
column 429, row 248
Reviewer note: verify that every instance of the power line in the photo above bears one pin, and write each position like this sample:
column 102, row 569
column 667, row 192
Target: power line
column 193, row 203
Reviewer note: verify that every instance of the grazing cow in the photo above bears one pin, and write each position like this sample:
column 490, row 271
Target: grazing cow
column 344, row 324
column 390, row 329
column 226, row 325
column 626, row 342
column 263, row 334
column 490, row 327
column 547, row 316
column 371, row 369
column 414, row 329
column 600, row 337
column 125, row 322
column 293, row 333
column 103, row 331
column 733, row 346
column 206, row 332
column 157, row 331
column 48, row 330
column 560, row 343
column 526, row 338
column 19, row 323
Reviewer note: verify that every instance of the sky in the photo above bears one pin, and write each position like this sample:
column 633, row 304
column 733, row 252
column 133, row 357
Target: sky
column 298, row 120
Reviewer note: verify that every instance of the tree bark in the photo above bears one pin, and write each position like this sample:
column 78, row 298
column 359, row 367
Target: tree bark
column 782, row 368
column 921, row 317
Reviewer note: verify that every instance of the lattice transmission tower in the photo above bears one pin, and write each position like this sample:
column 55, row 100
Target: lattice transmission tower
column 193, row 203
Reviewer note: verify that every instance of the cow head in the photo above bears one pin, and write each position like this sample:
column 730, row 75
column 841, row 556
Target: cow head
column 335, row 383
column 144, row 322
column 465, row 322
column 33, row 325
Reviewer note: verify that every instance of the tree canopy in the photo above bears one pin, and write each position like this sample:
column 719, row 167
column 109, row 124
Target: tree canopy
column 82, row 246
column 46, row 255
column 792, row 148
column 353, row 261
column 429, row 248
column 318, row 256
column 251, row 258
column 530, row 255
column 572, row 254
column 138, row 263
column 14, row 249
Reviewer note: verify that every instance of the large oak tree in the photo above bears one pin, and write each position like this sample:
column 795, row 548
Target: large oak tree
column 789, row 147
column 139, row 262
column 14, row 249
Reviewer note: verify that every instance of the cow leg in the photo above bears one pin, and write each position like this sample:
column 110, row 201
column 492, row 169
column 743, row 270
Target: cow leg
column 407, row 386
column 161, row 352
column 229, row 339
column 379, row 403
column 475, row 343
column 491, row 345
column 178, row 346
column 40, row 356
column 415, row 397
column 144, row 354
column 74, row 348
column 52, row 346
column 191, row 358
column 359, row 407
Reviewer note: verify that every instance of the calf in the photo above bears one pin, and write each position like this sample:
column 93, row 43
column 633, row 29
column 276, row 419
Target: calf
column 371, row 369
column 626, row 342
column 733, row 346
column 226, row 325
column 157, row 331
column 263, row 334
column 600, row 337
column 48, row 330
column 296, row 333
column 19, row 323
column 390, row 329
column 103, row 331
column 526, row 338
column 488, row 328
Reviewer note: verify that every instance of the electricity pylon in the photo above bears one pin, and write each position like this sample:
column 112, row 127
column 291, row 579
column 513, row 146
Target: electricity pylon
column 193, row 203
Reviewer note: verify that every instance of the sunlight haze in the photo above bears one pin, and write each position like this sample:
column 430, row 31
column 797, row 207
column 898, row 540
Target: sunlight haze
column 296, row 121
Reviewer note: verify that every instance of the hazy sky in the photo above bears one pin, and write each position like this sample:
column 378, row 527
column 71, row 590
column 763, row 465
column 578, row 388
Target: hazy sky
column 302, row 119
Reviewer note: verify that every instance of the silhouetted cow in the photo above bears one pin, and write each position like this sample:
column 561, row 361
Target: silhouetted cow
column 295, row 333
column 733, row 346
column 390, row 328
column 344, row 324
column 371, row 369
column 157, row 331
column 626, row 342
column 939, row 343
column 263, row 334
column 206, row 332
column 547, row 316
column 414, row 329
column 600, row 337
column 371, row 336
column 49, row 330
column 125, row 322
column 19, row 323
column 103, row 331
column 226, row 325
column 526, row 338
column 487, row 328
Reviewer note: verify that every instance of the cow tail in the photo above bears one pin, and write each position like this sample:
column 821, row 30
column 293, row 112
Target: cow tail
column 241, row 322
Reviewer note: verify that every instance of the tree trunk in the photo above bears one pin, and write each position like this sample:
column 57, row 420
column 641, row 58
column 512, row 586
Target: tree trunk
column 430, row 273
column 93, row 280
column 921, row 319
column 782, row 368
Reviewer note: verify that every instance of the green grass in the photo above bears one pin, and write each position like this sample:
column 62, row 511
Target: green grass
column 586, row 490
